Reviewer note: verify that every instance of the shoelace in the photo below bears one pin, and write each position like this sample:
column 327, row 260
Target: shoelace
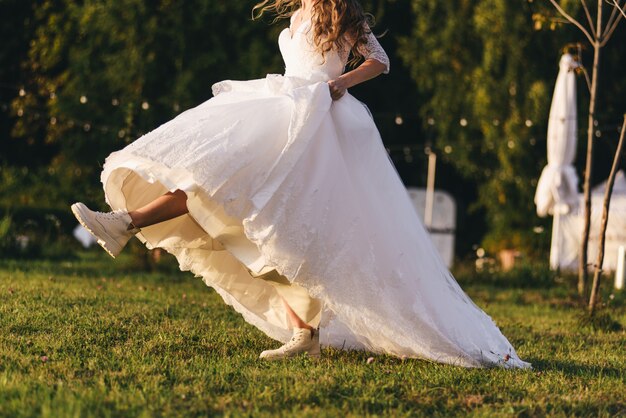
column 110, row 215
column 296, row 339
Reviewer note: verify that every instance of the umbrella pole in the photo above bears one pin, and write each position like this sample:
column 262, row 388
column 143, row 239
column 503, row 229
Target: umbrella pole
column 555, row 253
column 430, row 191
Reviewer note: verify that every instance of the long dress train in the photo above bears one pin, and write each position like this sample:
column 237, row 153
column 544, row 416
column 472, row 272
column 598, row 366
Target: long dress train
column 292, row 194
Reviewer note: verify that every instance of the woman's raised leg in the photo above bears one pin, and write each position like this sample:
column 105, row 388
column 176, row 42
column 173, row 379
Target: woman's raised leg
column 163, row 208
column 112, row 230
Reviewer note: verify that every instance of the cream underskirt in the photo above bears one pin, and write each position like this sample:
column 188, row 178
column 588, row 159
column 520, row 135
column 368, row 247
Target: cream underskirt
column 229, row 262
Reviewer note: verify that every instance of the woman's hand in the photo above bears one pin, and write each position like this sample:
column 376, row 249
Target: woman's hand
column 338, row 88
column 369, row 69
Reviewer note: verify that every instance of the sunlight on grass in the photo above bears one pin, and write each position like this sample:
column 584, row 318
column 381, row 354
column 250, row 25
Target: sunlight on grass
column 90, row 337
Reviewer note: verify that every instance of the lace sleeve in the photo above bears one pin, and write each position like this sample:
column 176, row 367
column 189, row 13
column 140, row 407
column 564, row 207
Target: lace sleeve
column 372, row 49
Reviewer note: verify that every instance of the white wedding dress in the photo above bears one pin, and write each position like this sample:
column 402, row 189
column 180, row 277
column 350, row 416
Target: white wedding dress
column 292, row 194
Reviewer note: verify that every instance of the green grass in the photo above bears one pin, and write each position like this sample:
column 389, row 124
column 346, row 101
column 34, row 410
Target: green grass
column 119, row 342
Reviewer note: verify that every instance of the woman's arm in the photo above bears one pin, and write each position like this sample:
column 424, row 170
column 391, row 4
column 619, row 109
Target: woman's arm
column 369, row 69
column 376, row 62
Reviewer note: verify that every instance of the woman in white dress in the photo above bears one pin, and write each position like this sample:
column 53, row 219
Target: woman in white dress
column 278, row 192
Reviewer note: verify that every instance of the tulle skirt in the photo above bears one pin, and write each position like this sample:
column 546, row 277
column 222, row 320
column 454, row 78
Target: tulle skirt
column 291, row 195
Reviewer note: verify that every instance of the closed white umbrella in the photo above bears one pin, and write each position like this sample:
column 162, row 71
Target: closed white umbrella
column 558, row 184
column 557, row 189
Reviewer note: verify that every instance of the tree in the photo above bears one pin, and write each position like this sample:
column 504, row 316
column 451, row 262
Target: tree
column 486, row 69
column 598, row 36
column 96, row 75
column 99, row 74
column 485, row 73
column 605, row 219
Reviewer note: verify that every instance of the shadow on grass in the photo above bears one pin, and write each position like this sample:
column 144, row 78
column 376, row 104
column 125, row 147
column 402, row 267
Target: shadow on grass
column 573, row 369
column 570, row 369
column 90, row 263
column 525, row 276
column 64, row 268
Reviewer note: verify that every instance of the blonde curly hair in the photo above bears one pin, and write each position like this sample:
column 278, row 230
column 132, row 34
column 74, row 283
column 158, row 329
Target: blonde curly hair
column 336, row 23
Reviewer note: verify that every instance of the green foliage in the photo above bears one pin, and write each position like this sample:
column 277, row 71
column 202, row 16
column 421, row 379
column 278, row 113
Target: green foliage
column 27, row 232
column 87, row 338
column 5, row 227
column 488, row 71
column 85, row 78
column 101, row 74
column 523, row 276
column 472, row 58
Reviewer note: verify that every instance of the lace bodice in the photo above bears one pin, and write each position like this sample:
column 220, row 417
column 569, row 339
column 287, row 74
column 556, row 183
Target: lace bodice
column 303, row 61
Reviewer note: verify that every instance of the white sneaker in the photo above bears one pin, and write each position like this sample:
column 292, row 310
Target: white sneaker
column 303, row 341
column 111, row 229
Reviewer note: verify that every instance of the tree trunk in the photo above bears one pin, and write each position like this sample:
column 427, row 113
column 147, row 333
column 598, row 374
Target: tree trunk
column 605, row 219
column 584, row 244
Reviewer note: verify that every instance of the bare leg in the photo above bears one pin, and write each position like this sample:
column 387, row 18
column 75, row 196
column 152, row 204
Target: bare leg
column 295, row 320
column 305, row 339
column 174, row 204
column 170, row 205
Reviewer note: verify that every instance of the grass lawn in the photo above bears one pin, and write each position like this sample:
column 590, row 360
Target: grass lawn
column 91, row 337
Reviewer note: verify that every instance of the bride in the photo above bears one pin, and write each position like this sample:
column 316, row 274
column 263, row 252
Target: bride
column 278, row 192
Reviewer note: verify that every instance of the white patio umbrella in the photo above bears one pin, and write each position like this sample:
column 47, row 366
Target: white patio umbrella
column 557, row 189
